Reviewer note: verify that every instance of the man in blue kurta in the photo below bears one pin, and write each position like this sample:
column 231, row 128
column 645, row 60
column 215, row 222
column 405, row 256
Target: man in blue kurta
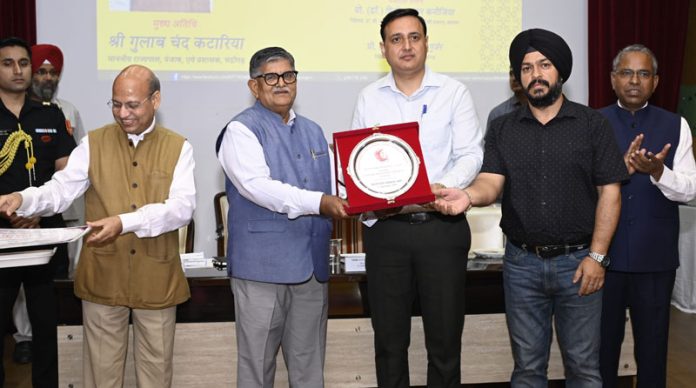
column 644, row 255
column 279, row 183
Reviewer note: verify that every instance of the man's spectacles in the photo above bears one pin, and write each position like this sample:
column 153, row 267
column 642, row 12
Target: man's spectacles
column 271, row 79
column 130, row 105
column 628, row 74
column 44, row 72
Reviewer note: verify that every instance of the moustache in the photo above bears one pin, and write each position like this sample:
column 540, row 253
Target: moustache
column 539, row 82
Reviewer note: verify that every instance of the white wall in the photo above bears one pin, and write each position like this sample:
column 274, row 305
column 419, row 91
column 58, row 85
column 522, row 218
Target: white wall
column 200, row 109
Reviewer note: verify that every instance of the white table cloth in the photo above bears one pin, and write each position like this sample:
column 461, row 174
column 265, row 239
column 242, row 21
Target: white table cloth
column 684, row 294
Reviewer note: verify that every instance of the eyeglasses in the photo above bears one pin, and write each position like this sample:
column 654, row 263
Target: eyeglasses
column 44, row 72
column 271, row 79
column 130, row 105
column 628, row 74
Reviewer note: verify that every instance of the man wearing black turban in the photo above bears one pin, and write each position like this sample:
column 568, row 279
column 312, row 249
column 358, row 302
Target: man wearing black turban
column 548, row 44
column 559, row 168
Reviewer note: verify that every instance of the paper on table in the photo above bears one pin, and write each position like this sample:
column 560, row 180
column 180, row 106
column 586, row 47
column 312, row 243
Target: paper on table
column 14, row 238
column 21, row 259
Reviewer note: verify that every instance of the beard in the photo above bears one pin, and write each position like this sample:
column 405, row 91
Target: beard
column 44, row 91
column 547, row 99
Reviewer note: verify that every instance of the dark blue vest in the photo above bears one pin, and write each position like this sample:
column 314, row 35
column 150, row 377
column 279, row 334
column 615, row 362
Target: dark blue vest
column 267, row 246
column 647, row 236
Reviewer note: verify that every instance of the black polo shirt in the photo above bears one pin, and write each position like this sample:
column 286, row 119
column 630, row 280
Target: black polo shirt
column 45, row 124
column 552, row 172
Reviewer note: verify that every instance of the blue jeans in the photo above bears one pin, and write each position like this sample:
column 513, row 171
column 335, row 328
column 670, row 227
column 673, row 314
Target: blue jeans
column 536, row 291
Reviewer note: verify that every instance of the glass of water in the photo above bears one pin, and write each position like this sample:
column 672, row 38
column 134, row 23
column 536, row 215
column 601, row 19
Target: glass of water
column 335, row 256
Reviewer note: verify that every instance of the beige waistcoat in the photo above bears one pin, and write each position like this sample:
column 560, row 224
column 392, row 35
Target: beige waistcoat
column 134, row 272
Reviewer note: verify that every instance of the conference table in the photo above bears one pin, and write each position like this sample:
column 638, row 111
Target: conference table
column 205, row 355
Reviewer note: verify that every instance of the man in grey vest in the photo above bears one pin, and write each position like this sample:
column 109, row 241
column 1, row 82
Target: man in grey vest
column 279, row 181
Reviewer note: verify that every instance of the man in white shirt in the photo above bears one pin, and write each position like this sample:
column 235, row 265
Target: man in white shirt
column 644, row 253
column 139, row 189
column 417, row 253
column 279, row 185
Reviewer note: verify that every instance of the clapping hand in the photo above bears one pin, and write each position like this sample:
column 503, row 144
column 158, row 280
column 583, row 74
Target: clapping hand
column 641, row 160
column 649, row 163
column 632, row 148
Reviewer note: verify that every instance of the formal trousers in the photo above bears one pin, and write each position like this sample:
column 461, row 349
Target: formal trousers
column 42, row 308
column 425, row 261
column 20, row 315
column 647, row 296
column 291, row 317
column 106, row 344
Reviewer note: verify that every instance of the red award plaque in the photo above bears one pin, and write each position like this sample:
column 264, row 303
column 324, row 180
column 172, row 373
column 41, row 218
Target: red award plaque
column 382, row 167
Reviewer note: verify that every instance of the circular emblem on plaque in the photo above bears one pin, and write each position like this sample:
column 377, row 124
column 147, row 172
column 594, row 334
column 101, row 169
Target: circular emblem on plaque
column 383, row 166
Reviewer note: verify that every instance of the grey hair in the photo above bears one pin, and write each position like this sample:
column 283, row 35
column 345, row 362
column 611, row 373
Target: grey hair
column 634, row 48
column 154, row 83
column 266, row 55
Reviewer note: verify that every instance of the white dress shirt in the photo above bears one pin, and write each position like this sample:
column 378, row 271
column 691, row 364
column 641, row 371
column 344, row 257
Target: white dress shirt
column 450, row 134
column 148, row 221
column 679, row 183
column 242, row 159
column 76, row 211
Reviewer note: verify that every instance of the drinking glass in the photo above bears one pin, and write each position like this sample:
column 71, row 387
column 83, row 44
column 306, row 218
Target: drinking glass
column 335, row 256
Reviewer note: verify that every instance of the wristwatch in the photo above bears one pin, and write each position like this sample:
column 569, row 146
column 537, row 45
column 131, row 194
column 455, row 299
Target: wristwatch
column 603, row 260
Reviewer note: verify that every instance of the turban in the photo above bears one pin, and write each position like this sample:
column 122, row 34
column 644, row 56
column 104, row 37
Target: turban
column 547, row 43
column 42, row 53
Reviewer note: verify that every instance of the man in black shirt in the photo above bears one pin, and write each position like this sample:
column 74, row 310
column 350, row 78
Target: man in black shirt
column 559, row 168
column 34, row 143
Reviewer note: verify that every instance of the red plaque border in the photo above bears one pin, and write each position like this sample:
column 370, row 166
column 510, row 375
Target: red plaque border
column 359, row 201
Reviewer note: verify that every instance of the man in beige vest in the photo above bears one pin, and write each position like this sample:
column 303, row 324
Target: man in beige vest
column 139, row 189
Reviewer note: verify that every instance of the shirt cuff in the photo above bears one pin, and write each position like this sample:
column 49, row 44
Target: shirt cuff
column 314, row 201
column 309, row 204
column 666, row 180
column 130, row 222
column 28, row 200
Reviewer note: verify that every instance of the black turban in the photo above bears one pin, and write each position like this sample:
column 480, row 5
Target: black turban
column 547, row 43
